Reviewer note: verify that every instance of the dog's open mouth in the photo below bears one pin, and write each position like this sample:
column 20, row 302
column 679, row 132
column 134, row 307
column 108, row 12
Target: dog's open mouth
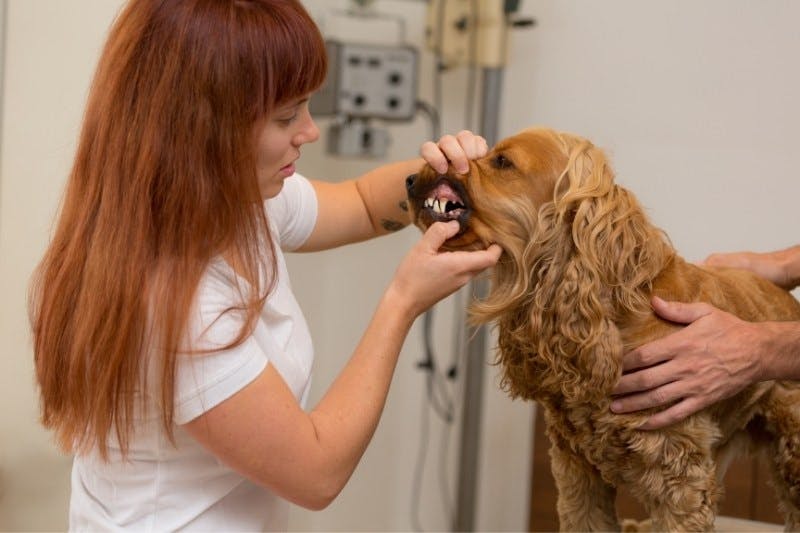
column 444, row 203
column 442, row 198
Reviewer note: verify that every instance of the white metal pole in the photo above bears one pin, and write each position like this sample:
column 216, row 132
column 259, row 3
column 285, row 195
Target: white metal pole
column 469, row 451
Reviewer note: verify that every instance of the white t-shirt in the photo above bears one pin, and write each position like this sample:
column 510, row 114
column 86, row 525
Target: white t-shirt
column 165, row 488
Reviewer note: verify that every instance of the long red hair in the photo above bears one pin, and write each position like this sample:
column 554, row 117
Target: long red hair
column 163, row 180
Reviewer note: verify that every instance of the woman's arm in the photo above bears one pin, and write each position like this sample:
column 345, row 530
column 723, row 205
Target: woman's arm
column 308, row 457
column 375, row 203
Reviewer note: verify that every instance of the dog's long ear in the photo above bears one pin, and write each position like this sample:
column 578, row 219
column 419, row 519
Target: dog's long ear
column 614, row 243
column 592, row 253
column 556, row 335
column 574, row 301
column 616, row 253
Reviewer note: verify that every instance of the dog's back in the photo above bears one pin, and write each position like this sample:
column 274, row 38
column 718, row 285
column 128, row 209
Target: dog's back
column 735, row 291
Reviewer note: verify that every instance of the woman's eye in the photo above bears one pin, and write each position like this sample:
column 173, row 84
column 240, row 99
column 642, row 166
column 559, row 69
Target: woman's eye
column 501, row 161
column 287, row 120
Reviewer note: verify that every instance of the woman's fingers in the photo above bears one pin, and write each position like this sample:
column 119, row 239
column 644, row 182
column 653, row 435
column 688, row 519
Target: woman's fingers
column 456, row 150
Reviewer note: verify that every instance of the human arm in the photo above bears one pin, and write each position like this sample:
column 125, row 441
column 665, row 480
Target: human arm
column 307, row 458
column 717, row 354
column 711, row 359
column 375, row 203
column 782, row 267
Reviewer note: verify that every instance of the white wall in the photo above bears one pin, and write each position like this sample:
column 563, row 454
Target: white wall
column 695, row 101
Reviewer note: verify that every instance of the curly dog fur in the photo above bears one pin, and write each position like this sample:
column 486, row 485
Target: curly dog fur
column 571, row 295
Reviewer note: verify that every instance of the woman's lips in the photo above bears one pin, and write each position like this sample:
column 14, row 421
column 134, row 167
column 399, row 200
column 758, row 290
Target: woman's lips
column 288, row 170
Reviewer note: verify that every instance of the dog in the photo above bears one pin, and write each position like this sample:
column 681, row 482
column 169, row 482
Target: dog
column 570, row 295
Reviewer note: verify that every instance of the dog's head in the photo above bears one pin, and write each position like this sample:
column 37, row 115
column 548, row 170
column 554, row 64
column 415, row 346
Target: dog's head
column 496, row 201
column 578, row 254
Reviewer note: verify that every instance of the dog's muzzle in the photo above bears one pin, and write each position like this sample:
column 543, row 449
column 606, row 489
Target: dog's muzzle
column 444, row 200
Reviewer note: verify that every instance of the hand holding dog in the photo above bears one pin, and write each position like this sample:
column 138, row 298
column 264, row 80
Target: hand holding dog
column 454, row 149
column 427, row 275
column 781, row 267
column 717, row 354
column 713, row 358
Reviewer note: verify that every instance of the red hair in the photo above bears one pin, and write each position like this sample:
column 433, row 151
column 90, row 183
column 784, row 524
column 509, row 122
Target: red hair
column 163, row 180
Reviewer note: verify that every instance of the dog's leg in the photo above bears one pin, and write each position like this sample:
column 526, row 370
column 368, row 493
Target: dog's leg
column 585, row 501
column 677, row 485
column 782, row 414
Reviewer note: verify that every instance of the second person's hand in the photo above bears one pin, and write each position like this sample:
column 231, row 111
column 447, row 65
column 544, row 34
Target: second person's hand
column 710, row 359
column 780, row 267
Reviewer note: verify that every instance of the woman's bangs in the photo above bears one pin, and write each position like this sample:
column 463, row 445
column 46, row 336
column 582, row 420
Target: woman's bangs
column 298, row 56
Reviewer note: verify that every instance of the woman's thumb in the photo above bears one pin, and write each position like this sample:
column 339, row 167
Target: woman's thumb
column 439, row 232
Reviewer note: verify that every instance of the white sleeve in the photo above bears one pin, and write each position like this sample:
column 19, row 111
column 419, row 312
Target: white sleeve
column 204, row 380
column 293, row 213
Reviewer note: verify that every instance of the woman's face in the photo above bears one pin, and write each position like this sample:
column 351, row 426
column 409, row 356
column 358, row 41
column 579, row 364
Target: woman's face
column 278, row 144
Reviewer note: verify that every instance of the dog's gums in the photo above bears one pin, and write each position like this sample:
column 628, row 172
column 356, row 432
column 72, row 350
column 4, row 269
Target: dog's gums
column 444, row 202
column 440, row 198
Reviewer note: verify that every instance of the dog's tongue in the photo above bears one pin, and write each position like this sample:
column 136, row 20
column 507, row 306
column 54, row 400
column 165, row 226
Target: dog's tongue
column 444, row 192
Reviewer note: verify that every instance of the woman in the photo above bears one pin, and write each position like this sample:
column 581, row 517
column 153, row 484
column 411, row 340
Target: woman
column 171, row 355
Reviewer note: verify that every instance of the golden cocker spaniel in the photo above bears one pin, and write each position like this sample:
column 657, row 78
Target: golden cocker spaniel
column 570, row 296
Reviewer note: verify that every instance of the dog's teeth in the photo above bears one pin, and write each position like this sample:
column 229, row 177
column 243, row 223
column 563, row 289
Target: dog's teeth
column 437, row 205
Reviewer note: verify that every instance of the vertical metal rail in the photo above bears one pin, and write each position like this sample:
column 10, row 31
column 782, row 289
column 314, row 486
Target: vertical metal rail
column 3, row 47
column 464, row 519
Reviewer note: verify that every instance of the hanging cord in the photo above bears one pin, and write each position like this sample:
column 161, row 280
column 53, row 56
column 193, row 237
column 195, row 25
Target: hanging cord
column 438, row 397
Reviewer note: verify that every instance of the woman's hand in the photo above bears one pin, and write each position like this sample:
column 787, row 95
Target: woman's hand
column 713, row 358
column 457, row 150
column 427, row 275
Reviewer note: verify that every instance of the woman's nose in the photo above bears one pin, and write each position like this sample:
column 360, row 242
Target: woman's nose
column 308, row 134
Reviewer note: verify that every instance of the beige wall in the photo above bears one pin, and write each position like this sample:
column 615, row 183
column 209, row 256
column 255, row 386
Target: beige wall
column 696, row 101
column 50, row 48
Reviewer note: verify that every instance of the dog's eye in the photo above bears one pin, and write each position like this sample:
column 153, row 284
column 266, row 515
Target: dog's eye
column 501, row 161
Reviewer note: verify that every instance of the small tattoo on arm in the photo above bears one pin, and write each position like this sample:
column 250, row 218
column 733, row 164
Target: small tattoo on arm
column 403, row 205
column 392, row 225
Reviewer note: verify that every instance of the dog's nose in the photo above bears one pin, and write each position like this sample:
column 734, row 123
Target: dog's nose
column 410, row 181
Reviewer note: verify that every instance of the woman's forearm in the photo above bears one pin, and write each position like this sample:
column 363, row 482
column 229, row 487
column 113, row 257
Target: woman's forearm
column 345, row 419
column 383, row 193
